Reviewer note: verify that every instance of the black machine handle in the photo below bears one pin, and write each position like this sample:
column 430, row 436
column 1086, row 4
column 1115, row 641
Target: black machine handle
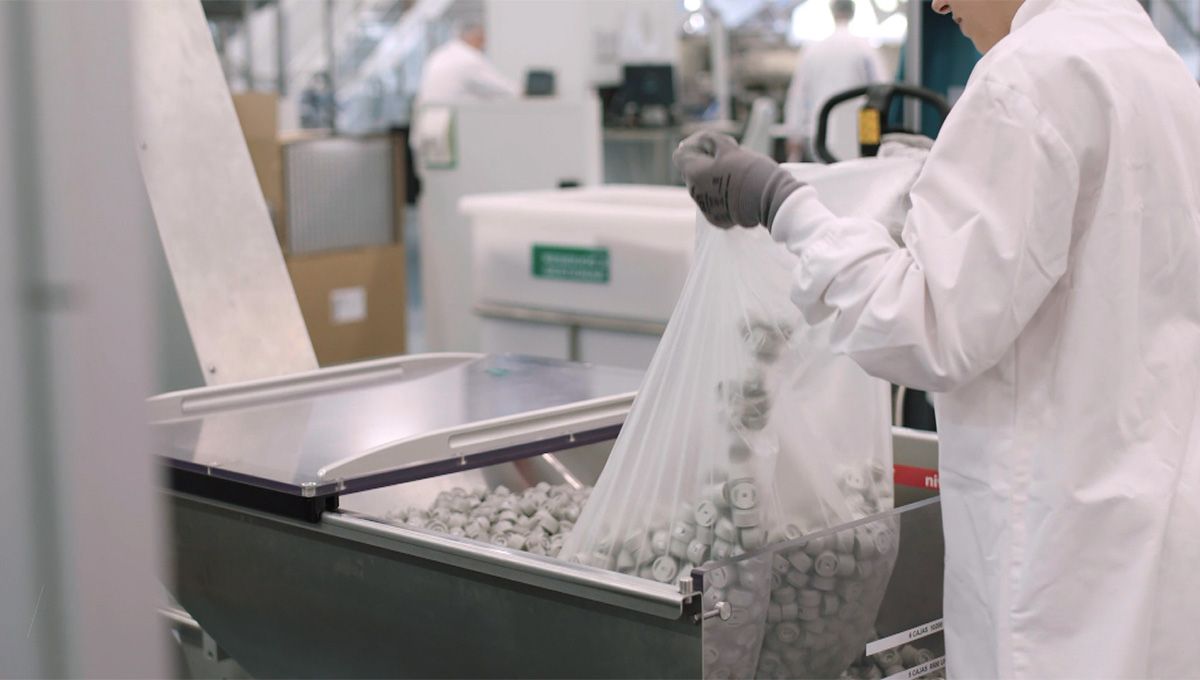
column 871, row 126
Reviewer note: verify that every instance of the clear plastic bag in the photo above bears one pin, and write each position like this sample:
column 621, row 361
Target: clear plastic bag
column 747, row 431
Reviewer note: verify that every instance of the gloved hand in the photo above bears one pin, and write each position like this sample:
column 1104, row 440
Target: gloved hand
column 730, row 184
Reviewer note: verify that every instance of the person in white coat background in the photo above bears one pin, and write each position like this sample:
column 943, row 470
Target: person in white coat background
column 1047, row 290
column 459, row 71
column 455, row 73
column 836, row 64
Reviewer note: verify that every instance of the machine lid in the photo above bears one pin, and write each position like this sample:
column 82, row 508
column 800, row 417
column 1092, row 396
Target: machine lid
column 367, row 425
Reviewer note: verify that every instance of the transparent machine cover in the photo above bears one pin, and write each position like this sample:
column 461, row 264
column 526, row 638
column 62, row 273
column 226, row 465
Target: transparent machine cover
column 420, row 416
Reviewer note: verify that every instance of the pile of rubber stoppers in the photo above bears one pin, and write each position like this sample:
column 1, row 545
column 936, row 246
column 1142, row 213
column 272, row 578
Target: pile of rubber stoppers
column 535, row 520
column 891, row 662
column 805, row 611
column 727, row 523
column 730, row 517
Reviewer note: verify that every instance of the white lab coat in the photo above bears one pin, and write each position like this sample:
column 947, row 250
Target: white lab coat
column 1049, row 289
column 454, row 73
column 457, row 72
column 836, row 64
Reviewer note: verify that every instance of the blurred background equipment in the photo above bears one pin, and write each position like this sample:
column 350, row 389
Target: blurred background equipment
column 872, row 124
column 540, row 83
column 648, row 94
column 837, row 63
column 540, row 143
column 660, row 68
column 589, row 274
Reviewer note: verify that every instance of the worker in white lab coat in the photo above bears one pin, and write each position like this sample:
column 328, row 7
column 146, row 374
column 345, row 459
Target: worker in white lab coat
column 459, row 71
column 1048, row 291
column 455, row 73
column 840, row 62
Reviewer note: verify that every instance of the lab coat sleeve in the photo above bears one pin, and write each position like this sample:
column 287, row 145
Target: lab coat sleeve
column 984, row 243
column 487, row 82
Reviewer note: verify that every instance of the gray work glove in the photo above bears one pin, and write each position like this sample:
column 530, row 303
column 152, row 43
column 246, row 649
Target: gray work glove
column 730, row 184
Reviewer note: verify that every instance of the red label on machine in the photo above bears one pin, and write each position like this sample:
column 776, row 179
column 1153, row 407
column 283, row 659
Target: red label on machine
column 916, row 477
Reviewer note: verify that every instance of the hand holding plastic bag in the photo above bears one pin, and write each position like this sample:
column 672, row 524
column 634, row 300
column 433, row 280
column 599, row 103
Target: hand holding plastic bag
column 730, row 184
column 749, row 431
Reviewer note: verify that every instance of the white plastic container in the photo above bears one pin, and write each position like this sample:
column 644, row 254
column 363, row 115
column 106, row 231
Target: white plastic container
column 619, row 252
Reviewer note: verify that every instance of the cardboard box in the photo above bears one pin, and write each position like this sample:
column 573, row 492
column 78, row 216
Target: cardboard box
column 267, row 157
column 342, row 192
column 258, row 113
column 353, row 302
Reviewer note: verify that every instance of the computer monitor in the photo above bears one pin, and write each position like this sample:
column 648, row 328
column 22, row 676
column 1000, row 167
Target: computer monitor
column 539, row 83
column 649, row 85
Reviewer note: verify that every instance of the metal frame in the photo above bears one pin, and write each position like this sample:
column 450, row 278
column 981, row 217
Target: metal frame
column 352, row 595
column 573, row 322
column 490, row 310
column 349, row 597
column 599, row 585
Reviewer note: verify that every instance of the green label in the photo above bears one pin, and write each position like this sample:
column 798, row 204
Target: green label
column 564, row 263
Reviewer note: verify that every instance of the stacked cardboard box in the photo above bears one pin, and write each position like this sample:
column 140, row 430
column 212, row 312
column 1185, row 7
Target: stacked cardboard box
column 258, row 113
column 353, row 299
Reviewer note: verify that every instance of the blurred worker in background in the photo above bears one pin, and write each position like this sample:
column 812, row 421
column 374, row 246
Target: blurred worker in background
column 455, row 73
column 458, row 71
column 1048, row 290
column 840, row 62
